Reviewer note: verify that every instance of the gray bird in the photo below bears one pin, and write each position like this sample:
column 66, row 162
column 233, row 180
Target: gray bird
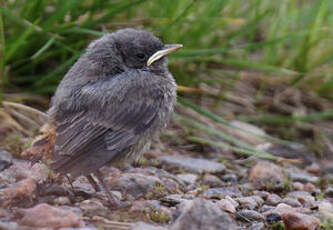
column 111, row 103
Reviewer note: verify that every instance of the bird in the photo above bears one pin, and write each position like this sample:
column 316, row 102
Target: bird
column 109, row 106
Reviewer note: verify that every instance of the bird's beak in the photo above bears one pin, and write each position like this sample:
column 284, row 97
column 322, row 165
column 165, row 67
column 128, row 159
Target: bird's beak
column 167, row 49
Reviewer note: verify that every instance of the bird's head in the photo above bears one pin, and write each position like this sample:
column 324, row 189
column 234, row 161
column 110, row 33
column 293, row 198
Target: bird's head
column 130, row 49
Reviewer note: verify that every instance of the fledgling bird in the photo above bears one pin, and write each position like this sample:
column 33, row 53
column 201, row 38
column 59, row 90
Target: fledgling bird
column 111, row 103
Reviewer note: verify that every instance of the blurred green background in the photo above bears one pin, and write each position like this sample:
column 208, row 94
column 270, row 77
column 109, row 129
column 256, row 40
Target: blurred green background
column 260, row 61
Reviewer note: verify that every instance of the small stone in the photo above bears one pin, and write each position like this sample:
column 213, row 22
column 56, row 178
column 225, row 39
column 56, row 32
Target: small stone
column 266, row 175
column 273, row 199
column 226, row 205
column 298, row 186
column 6, row 159
column 249, row 215
column 257, row 226
column 20, row 170
column 291, row 201
column 247, row 202
column 146, row 226
column 260, row 201
column 92, row 206
column 44, row 215
column 272, row 218
column 309, row 187
column 62, row 200
column 304, row 197
column 266, row 208
column 134, row 184
column 230, row 178
column 234, row 203
column 188, row 178
column 195, row 165
column 303, row 177
column 298, row 221
column 197, row 214
column 326, row 209
column 314, row 168
column 18, row 193
column 173, row 199
column 212, row 181
column 220, row 193
column 262, row 194
column 329, row 192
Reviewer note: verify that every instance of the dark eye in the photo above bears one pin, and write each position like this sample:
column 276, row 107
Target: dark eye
column 141, row 56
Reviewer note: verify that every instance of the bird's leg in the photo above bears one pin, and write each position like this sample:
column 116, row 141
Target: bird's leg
column 113, row 200
column 93, row 183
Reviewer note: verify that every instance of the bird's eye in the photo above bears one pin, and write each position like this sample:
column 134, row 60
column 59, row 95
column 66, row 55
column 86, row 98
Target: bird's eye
column 141, row 56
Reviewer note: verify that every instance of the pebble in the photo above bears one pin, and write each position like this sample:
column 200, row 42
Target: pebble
column 298, row 221
column 309, row 187
column 303, row 177
column 134, row 184
column 256, row 226
column 291, row 201
column 20, row 170
column 92, row 206
column 272, row 218
column 326, row 209
column 197, row 214
column 266, row 175
column 19, row 193
column 247, row 202
column 188, row 178
column 62, row 200
column 305, row 198
column 273, row 199
column 329, row 192
column 212, row 181
column 44, row 215
column 220, row 193
column 249, row 215
column 6, row 159
column 230, row 177
column 195, row 165
column 297, row 186
column 226, row 205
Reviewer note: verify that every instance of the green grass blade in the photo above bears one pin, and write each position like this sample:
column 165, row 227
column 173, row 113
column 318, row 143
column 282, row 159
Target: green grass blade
column 235, row 149
column 43, row 48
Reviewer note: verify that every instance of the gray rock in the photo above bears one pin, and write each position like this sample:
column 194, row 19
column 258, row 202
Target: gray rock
column 230, row 178
column 200, row 214
column 329, row 192
column 303, row 177
column 146, row 226
column 249, row 215
column 220, row 193
column 134, row 184
column 273, row 199
column 256, row 226
column 247, row 202
column 195, row 165
column 291, row 201
column 305, row 198
column 188, row 178
column 5, row 159
column 212, row 181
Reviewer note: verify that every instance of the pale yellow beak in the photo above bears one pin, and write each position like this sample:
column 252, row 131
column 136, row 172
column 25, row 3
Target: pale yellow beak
column 167, row 49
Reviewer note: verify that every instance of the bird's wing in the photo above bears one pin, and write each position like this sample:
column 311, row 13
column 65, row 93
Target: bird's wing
column 106, row 119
